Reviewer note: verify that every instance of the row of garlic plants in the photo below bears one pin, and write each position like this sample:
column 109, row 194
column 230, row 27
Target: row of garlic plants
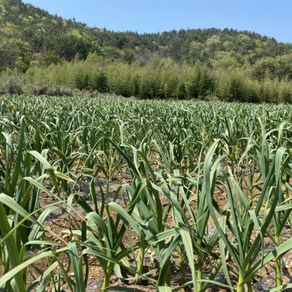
column 177, row 156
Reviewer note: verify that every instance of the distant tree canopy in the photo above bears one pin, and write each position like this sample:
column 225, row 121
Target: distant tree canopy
column 194, row 63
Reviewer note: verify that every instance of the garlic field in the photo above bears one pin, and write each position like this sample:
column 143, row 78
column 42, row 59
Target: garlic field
column 163, row 194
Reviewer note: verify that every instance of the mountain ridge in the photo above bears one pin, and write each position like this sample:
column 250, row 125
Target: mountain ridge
column 27, row 30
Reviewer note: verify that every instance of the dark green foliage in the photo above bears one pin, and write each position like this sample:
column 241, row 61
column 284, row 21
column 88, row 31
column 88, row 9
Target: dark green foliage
column 198, row 81
column 148, row 87
column 98, row 81
column 236, row 89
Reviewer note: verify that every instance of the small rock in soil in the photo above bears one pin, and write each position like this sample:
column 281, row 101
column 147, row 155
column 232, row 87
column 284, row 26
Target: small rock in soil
column 94, row 286
column 220, row 278
column 264, row 284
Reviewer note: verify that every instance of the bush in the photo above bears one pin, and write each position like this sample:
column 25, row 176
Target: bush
column 11, row 86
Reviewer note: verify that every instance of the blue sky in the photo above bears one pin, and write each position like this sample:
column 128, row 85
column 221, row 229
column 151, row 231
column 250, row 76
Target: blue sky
column 271, row 18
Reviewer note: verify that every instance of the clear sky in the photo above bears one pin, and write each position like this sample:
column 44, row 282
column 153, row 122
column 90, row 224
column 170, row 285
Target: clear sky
column 272, row 18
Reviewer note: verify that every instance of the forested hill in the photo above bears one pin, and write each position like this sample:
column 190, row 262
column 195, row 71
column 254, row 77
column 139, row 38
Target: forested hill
column 32, row 38
column 26, row 30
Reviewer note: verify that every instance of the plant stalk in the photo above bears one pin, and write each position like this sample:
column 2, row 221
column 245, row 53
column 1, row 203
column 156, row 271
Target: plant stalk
column 240, row 286
column 199, row 276
column 106, row 280
column 278, row 263
column 12, row 249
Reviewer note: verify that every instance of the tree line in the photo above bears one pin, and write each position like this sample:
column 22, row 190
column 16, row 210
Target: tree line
column 163, row 79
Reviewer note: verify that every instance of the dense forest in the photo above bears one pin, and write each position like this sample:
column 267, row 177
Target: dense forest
column 45, row 54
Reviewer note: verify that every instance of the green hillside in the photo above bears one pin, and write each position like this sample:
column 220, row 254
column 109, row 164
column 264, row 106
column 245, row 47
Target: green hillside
column 34, row 42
